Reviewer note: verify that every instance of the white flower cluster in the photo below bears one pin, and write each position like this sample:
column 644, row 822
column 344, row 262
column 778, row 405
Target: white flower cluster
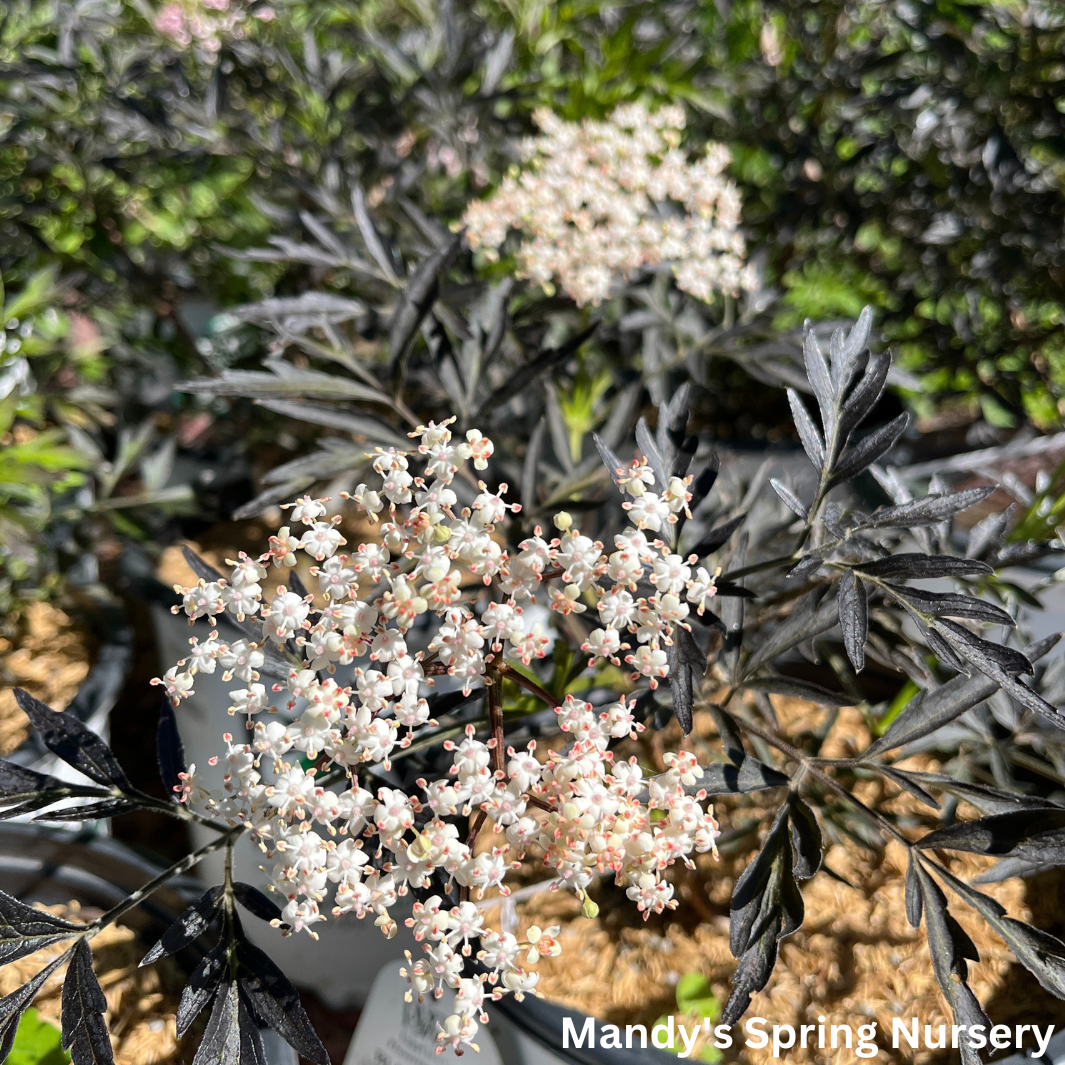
column 302, row 782
column 601, row 200
column 205, row 24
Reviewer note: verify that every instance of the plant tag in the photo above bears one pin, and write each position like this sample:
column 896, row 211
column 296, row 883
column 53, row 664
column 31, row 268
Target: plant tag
column 392, row 1031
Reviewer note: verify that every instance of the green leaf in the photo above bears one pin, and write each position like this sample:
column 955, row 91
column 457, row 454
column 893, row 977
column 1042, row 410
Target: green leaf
column 695, row 995
column 37, row 1043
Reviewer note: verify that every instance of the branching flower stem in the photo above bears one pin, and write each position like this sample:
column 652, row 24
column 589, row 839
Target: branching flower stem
column 530, row 686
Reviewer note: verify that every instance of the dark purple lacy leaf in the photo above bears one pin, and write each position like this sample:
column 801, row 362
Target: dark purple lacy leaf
column 25, row 791
column 682, row 459
column 791, row 500
column 1032, row 835
column 854, row 617
column 806, row 838
column 84, row 1029
column 13, row 1005
column 984, row 797
column 719, row 778
column 952, row 605
column 525, row 375
column 913, row 566
column 908, row 783
column 716, row 537
column 766, row 906
column 818, row 376
column 998, row 663
column 649, row 447
column 869, row 449
column 951, row 950
column 64, row 735
column 276, row 1003
column 202, row 985
column 673, row 422
column 914, row 897
column 806, row 566
column 417, row 299
column 930, row 510
column 983, row 654
column 750, row 890
column 866, row 393
column 705, row 480
column 192, row 924
column 1042, row 954
column 231, row 1036
column 809, row 620
column 812, row 443
column 256, row 903
column 800, row 689
column 946, row 653
column 169, row 749
column 24, row 930
column 613, row 464
column 93, row 811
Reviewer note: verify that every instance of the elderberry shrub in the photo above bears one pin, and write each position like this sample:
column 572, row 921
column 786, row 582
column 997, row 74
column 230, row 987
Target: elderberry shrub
column 364, row 784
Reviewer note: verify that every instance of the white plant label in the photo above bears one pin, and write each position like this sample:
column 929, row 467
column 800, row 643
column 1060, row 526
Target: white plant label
column 392, row 1031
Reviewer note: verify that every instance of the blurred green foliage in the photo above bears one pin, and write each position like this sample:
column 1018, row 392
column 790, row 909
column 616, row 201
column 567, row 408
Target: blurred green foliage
column 37, row 1042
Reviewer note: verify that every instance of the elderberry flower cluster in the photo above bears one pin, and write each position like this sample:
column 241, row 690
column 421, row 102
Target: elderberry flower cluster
column 205, row 24
column 601, row 200
column 348, row 695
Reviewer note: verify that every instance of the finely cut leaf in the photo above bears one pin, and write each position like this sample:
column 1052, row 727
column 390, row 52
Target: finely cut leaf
column 84, row 1029
column 202, row 985
column 64, row 735
column 951, row 949
column 913, row 566
column 13, row 1005
column 914, row 897
column 255, row 902
column 952, row 605
column 717, row 537
column 790, row 499
column 192, row 924
column 869, row 449
column 927, row 511
column 799, row 689
column 1032, row 835
column 655, row 459
column 809, row 620
column 222, row 1039
column 292, row 384
column 275, row 1002
column 854, row 617
column 534, row 368
column 418, row 298
column 613, row 464
column 806, row 838
column 169, row 749
column 812, row 443
column 25, row 930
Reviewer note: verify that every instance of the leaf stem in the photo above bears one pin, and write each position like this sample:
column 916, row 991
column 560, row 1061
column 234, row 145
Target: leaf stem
column 153, row 885
column 811, row 769
column 757, row 567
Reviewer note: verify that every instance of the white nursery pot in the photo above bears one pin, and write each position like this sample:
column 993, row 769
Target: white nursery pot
column 341, row 965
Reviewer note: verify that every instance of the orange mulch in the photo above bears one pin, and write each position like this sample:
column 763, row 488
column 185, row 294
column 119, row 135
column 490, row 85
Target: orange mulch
column 50, row 661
